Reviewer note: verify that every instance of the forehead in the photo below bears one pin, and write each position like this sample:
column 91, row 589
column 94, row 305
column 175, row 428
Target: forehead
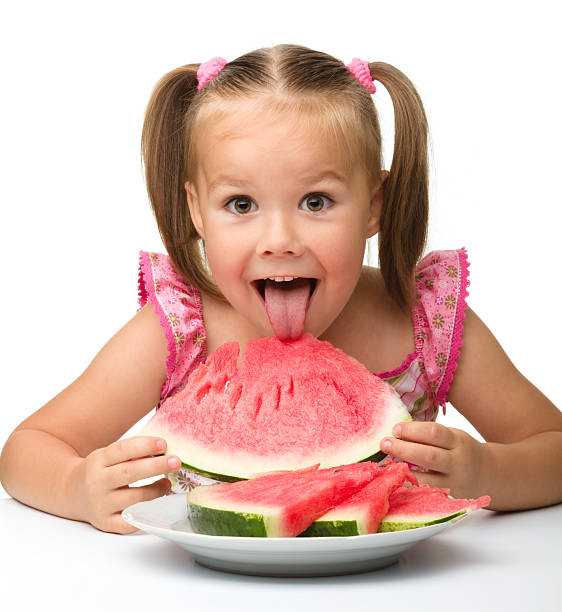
column 250, row 132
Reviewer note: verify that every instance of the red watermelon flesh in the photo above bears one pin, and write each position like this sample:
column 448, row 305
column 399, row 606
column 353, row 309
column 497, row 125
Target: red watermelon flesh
column 275, row 505
column 420, row 506
column 368, row 506
column 289, row 405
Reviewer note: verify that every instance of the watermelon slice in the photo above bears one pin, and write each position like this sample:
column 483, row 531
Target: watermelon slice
column 281, row 504
column 291, row 404
column 362, row 512
column 422, row 506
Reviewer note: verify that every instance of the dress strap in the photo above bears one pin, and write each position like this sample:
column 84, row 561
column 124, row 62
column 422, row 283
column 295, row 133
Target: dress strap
column 438, row 315
column 178, row 306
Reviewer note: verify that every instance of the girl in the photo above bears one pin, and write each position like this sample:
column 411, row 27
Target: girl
column 270, row 167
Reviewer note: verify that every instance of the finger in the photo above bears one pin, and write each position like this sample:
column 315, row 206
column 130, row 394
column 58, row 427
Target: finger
column 133, row 448
column 127, row 496
column 130, row 471
column 428, row 457
column 433, row 434
column 432, row 479
column 116, row 524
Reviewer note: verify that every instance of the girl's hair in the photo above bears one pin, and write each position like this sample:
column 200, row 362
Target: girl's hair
column 319, row 90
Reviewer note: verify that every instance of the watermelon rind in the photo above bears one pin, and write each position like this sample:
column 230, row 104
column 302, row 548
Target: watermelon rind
column 339, row 522
column 338, row 528
column 376, row 458
column 215, row 521
column 207, row 474
column 241, row 519
column 405, row 523
column 228, row 468
column 212, row 521
column 322, row 529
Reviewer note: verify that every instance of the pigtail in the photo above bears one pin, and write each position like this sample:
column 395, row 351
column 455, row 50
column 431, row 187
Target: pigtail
column 163, row 147
column 403, row 225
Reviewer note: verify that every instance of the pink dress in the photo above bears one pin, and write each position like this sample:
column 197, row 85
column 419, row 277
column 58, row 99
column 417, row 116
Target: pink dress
column 422, row 380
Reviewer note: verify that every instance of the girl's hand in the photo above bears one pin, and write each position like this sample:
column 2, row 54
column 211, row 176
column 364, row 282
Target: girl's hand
column 453, row 459
column 101, row 480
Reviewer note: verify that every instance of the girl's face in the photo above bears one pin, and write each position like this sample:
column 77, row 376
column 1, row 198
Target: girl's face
column 273, row 198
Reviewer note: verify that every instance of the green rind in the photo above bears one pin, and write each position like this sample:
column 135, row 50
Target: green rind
column 211, row 521
column 390, row 526
column 227, row 478
column 322, row 529
column 220, row 477
column 376, row 457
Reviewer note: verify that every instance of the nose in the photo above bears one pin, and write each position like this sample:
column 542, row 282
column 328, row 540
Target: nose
column 280, row 235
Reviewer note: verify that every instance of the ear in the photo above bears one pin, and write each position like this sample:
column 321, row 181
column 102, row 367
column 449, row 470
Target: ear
column 375, row 210
column 194, row 208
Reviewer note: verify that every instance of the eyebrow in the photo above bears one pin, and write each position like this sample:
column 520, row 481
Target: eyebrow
column 312, row 178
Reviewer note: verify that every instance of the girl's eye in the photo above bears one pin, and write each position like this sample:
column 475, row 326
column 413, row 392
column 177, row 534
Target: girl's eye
column 314, row 202
column 242, row 205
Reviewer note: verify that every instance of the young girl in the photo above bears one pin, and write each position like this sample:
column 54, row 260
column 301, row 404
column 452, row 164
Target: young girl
column 270, row 167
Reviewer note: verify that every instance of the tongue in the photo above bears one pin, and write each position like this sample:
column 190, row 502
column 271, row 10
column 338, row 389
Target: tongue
column 286, row 304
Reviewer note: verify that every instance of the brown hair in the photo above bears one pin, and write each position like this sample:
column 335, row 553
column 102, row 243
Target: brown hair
column 319, row 89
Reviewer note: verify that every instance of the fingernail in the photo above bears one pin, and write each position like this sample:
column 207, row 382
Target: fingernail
column 161, row 444
column 397, row 430
column 174, row 462
column 385, row 445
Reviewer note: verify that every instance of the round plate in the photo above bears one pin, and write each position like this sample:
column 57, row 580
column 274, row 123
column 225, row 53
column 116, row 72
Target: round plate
column 167, row 518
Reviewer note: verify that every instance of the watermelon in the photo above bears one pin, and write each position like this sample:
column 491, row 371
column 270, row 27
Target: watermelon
column 279, row 504
column 422, row 506
column 289, row 405
column 362, row 512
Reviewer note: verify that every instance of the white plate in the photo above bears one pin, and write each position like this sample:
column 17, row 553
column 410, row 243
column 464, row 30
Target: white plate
column 167, row 517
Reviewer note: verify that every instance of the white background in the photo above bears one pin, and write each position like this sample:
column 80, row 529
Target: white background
column 76, row 78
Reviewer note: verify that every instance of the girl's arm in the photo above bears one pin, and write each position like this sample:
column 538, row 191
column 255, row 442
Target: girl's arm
column 64, row 460
column 520, row 464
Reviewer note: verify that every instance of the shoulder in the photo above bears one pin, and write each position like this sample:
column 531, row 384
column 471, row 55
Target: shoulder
column 177, row 306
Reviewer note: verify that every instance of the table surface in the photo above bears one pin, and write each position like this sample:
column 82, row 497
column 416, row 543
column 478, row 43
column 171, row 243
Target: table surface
column 489, row 561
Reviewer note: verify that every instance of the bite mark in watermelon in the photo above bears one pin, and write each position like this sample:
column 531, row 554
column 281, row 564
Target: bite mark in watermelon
column 290, row 405
column 281, row 504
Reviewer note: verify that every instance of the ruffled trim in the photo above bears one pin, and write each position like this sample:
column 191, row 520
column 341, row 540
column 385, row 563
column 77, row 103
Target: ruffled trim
column 438, row 314
column 457, row 337
column 147, row 294
column 401, row 368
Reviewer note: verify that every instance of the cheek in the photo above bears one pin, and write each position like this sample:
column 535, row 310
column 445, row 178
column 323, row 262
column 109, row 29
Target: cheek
column 227, row 254
column 343, row 249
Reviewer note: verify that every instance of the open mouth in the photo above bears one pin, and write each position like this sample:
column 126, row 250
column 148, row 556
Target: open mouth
column 260, row 286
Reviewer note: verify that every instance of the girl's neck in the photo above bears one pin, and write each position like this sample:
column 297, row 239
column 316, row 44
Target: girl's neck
column 369, row 328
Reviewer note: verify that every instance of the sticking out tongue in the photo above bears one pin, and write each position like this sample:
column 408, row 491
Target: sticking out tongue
column 286, row 304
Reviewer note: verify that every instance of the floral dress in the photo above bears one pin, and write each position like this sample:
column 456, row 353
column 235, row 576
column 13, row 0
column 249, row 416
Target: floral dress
column 422, row 380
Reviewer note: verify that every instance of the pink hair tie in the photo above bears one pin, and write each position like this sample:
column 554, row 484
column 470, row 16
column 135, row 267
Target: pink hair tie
column 360, row 70
column 207, row 71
